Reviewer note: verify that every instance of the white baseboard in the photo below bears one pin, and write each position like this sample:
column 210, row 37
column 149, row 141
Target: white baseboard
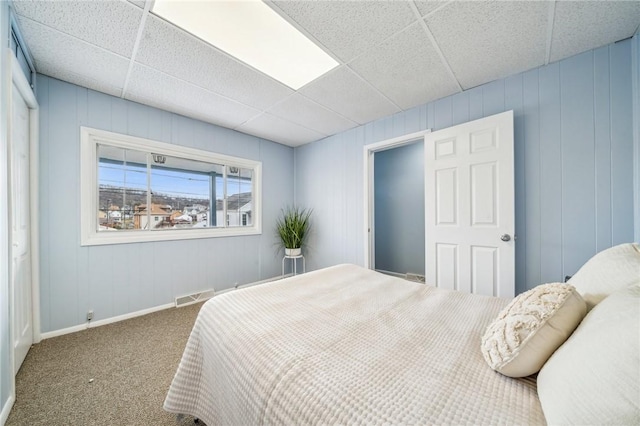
column 93, row 324
column 118, row 318
column 4, row 414
column 268, row 280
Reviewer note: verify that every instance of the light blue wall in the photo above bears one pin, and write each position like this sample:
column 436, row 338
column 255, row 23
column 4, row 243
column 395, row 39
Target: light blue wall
column 399, row 209
column 573, row 164
column 114, row 280
column 6, row 369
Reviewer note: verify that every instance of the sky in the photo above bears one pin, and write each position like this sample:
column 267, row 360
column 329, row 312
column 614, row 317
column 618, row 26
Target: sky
column 168, row 182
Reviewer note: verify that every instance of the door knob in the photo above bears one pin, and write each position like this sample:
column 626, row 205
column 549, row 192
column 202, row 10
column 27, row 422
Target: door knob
column 505, row 237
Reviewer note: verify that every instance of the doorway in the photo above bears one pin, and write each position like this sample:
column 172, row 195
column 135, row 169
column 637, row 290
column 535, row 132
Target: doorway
column 469, row 206
column 370, row 152
column 398, row 182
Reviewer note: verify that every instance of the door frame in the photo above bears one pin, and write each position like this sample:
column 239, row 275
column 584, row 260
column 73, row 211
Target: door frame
column 369, row 199
column 24, row 88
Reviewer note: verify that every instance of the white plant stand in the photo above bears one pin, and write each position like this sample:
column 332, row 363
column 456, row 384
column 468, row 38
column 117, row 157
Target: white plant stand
column 294, row 259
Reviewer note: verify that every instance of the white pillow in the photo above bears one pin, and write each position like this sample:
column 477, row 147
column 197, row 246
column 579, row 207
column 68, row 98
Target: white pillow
column 608, row 271
column 594, row 378
column 531, row 327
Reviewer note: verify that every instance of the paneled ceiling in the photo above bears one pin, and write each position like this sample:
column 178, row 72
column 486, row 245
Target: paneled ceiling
column 393, row 55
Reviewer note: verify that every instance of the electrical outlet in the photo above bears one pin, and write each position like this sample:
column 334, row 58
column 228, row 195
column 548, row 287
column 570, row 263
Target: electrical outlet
column 89, row 315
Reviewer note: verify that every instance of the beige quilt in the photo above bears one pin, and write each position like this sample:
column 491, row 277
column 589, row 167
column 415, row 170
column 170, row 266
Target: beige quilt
column 346, row 345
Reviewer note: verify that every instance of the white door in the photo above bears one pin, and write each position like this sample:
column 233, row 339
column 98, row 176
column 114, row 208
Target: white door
column 469, row 212
column 20, row 230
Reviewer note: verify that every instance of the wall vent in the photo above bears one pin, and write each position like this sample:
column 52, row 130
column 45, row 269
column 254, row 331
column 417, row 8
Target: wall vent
column 194, row 298
column 415, row 278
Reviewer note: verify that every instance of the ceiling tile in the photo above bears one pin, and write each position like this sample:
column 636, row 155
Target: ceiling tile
column 67, row 58
column 139, row 3
column 308, row 113
column 160, row 90
column 175, row 52
column 580, row 26
column 392, row 62
column 347, row 28
column 407, row 69
column 112, row 25
column 54, row 70
column 485, row 41
column 427, row 6
column 345, row 93
column 270, row 127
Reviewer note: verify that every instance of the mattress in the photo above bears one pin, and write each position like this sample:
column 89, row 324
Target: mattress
column 346, row 345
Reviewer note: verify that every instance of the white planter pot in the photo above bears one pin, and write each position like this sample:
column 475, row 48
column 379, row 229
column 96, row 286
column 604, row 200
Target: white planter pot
column 292, row 251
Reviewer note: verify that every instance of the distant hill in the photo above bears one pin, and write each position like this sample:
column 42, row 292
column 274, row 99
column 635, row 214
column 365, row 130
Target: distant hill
column 115, row 195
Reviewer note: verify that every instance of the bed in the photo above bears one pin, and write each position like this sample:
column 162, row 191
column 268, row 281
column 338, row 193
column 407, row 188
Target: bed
column 347, row 345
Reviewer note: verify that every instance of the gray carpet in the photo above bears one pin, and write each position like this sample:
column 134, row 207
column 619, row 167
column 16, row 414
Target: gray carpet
column 131, row 363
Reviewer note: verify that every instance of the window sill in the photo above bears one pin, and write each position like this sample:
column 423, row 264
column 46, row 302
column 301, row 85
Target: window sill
column 127, row 237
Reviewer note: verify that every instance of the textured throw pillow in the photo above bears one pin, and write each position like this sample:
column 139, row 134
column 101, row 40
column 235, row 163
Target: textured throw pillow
column 594, row 377
column 531, row 328
column 608, row 271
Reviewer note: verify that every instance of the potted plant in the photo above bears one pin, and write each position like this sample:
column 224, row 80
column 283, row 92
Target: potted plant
column 293, row 228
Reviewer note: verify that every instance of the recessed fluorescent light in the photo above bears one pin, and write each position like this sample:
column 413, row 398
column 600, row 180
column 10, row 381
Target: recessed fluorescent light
column 252, row 32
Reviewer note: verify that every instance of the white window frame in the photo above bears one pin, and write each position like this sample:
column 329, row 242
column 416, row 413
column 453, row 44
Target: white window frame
column 89, row 235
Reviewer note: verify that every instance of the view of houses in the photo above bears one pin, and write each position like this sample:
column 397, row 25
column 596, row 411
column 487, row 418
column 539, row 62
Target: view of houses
column 171, row 212
column 143, row 191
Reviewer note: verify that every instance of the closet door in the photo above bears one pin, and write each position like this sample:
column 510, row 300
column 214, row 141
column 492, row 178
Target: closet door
column 470, row 214
column 20, row 229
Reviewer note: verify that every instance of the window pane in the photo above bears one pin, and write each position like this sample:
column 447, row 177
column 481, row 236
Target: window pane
column 181, row 192
column 122, row 185
column 239, row 196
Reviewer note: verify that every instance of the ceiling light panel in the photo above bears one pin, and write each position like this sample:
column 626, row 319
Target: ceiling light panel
column 181, row 55
column 253, row 33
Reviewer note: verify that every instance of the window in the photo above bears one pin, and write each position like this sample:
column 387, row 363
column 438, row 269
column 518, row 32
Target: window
column 135, row 189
